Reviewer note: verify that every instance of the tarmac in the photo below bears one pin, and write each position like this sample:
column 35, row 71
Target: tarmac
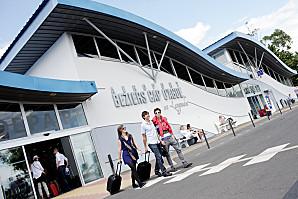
column 97, row 190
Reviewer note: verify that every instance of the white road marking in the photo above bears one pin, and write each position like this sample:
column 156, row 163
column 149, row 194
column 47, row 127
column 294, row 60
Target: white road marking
column 223, row 165
column 188, row 173
column 266, row 155
column 152, row 182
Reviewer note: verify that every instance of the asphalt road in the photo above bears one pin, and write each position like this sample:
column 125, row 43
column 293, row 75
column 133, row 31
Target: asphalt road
column 259, row 163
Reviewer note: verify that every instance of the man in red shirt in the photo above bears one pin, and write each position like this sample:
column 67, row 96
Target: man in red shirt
column 167, row 138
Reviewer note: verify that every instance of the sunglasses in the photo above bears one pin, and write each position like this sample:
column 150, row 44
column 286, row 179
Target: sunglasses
column 157, row 112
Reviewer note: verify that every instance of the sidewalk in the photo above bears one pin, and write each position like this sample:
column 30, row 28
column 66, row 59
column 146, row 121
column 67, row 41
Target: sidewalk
column 97, row 190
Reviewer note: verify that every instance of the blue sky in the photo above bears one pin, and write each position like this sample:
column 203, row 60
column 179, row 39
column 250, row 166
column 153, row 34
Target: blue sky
column 199, row 21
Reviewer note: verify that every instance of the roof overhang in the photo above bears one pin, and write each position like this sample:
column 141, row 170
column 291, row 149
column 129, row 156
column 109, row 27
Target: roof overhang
column 54, row 17
column 252, row 47
column 18, row 87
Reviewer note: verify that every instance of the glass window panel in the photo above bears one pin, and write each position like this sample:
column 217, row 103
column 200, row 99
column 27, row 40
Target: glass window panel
column 11, row 122
column 209, row 85
column 143, row 57
column 197, row 78
column 107, row 49
column 166, row 66
column 129, row 50
column 230, row 90
column 221, row 89
column 15, row 181
column 181, row 71
column 232, row 55
column 238, row 91
column 86, row 157
column 71, row 115
column 237, row 53
column 85, row 46
column 41, row 117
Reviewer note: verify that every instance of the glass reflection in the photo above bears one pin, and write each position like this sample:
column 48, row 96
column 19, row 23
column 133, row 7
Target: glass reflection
column 11, row 121
column 86, row 157
column 41, row 117
column 14, row 176
column 71, row 115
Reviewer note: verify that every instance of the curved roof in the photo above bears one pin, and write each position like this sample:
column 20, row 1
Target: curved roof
column 232, row 39
column 27, row 88
column 54, row 17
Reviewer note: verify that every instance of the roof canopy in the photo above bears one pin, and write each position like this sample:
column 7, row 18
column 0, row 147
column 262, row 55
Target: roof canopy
column 250, row 44
column 18, row 87
column 54, row 17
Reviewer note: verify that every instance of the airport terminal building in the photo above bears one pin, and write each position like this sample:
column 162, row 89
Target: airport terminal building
column 78, row 69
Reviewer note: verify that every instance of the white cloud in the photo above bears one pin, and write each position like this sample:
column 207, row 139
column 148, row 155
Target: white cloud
column 194, row 34
column 284, row 18
column 3, row 49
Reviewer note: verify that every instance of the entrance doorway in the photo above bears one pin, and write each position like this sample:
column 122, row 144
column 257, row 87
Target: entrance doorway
column 44, row 150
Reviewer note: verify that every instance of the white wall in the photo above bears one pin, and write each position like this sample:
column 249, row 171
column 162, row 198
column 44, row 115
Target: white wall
column 57, row 62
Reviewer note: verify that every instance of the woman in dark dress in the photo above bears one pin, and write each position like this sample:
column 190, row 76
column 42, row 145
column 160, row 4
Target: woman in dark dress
column 129, row 151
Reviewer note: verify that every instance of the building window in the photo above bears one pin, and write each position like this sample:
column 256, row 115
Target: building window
column 221, row 89
column 232, row 55
column 129, row 49
column 181, row 71
column 15, row 180
column 197, row 78
column 107, row 49
column 11, row 122
column 85, row 46
column 41, row 117
column 210, row 85
column 166, row 66
column 71, row 115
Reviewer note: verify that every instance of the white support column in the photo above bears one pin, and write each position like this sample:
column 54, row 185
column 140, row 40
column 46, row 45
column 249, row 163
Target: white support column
column 256, row 58
column 137, row 55
column 261, row 60
column 96, row 46
column 189, row 74
column 163, row 54
column 203, row 81
column 251, row 64
column 225, row 89
column 173, row 67
column 119, row 54
column 25, row 119
column 149, row 54
column 58, row 117
column 214, row 83
column 114, row 44
column 29, row 169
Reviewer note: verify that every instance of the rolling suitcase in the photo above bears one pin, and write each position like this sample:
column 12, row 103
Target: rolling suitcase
column 54, row 189
column 144, row 168
column 114, row 180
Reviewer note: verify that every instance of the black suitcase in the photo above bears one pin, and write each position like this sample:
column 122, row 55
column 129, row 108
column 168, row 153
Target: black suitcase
column 114, row 180
column 144, row 168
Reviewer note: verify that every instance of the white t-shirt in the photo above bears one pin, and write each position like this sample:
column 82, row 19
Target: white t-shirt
column 36, row 169
column 149, row 130
column 186, row 133
column 60, row 159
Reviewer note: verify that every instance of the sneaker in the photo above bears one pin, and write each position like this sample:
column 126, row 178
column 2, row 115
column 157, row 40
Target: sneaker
column 158, row 174
column 186, row 165
column 173, row 169
column 166, row 174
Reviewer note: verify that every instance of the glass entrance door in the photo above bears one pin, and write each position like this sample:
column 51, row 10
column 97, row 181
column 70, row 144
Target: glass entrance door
column 86, row 157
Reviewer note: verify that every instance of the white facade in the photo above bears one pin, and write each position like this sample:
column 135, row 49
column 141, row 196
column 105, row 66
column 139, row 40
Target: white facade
column 199, row 108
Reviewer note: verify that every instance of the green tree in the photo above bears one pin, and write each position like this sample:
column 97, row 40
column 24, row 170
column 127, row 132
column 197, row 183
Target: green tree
column 280, row 44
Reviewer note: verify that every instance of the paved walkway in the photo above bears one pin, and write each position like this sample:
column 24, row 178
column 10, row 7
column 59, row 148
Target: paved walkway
column 97, row 190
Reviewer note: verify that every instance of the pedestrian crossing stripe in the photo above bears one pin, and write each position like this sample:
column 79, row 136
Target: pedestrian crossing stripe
column 264, row 156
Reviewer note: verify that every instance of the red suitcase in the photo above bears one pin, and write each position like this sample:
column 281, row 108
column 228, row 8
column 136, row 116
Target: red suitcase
column 54, row 189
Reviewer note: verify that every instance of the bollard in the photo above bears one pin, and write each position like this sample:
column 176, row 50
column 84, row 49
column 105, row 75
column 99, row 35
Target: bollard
column 208, row 146
column 231, row 127
column 251, row 120
column 278, row 108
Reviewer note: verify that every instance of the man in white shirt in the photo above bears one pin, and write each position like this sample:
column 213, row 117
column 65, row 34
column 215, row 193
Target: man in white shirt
column 39, row 176
column 151, row 139
column 61, row 164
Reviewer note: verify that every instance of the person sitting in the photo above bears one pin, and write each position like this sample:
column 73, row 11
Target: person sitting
column 189, row 136
column 197, row 133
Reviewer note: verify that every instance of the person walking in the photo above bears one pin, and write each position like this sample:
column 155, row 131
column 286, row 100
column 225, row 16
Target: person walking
column 167, row 138
column 39, row 177
column 151, row 140
column 61, row 164
column 128, row 150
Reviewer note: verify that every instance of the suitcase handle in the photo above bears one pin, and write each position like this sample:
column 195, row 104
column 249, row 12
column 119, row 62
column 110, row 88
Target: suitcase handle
column 147, row 152
column 118, row 169
column 111, row 163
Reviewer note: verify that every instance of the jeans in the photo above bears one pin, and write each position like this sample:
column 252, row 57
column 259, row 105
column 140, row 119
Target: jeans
column 155, row 148
column 173, row 142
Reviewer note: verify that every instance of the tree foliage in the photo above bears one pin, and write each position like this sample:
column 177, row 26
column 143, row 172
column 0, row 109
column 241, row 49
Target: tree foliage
column 280, row 44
